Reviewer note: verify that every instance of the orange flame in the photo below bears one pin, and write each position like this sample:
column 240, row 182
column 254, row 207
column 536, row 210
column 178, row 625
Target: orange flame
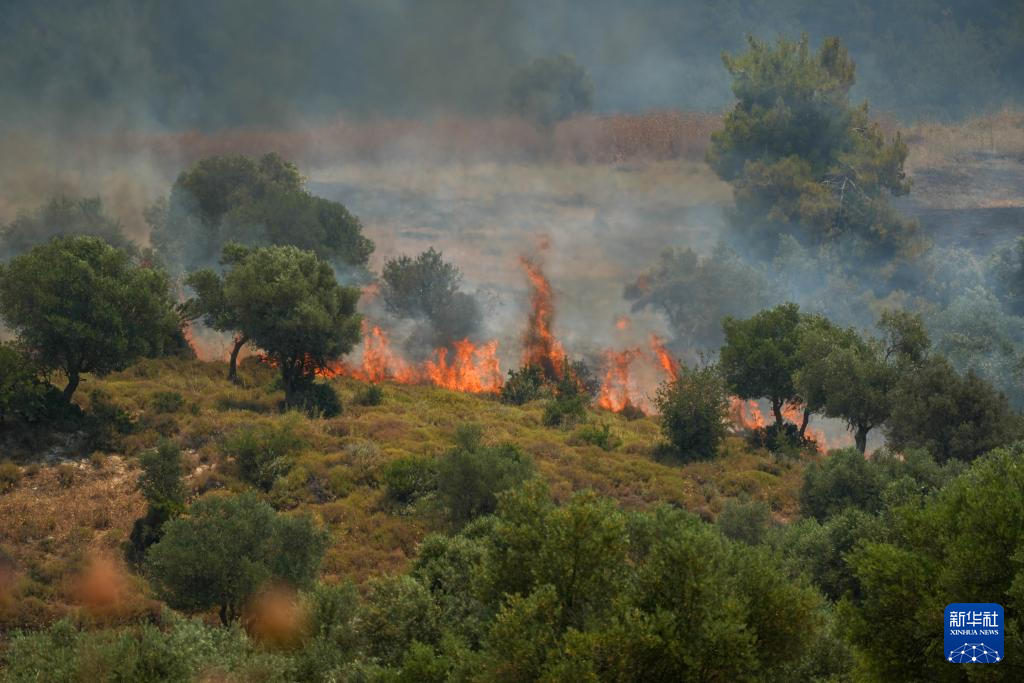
column 474, row 368
column 669, row 364
column 616, row 390
column 745, row 415
column 794, row 412
column 540, row 347
column 622, row 322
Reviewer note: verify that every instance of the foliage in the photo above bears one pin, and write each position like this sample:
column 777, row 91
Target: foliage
column 370, row 395
column 408, row 479
column 427, row 288
column 843, row 479
column 317, row 399
column 167, row 402
column 10, row 476
column 223, row 200
column 759, row 357
column 287, row 302
column 523, row 385
column 82, row 306
column 162, row 486
column 959, row 538
column 598, row 435
column 472, row 475
column 1007, row 270
column 61, row 216
column 745, row 520
column 800, row 155
column 693, row 409
column 550, row 89
column 24, row 394
column 846, row 376
column 571, row 393
column 226, row 548
column 264, row 452
column 696, row 292
column 952, row 416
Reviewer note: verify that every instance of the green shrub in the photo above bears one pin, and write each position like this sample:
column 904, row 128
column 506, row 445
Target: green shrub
column 264, row 452
column 693, row 411
column 523, row 385
column 565, row 410
column 746, row 521
column 598, row 435
column 167, row 402
column 470, row 476
column 227, row 548
column 371, row 395
column 408, row 479
column 107, row 421
column 843, row 479
column 318, row 399
column 10, row 476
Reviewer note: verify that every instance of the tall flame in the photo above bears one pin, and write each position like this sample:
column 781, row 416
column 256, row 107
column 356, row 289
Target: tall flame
column 616, row 390
column 669, row 364
column 540, row 347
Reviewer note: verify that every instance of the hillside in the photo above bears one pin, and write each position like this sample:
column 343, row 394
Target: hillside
column 79, row 503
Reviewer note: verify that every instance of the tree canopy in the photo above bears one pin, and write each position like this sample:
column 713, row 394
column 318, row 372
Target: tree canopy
column 800, row 157
column 428, row 287
column 61, row 216
column 261, row 202
column 550, row 89
column 285, row 301
column 81, row 305
column 227, row 548
column 759, row 357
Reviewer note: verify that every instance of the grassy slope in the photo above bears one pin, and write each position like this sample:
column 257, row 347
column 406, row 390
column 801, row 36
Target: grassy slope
column 51, row 522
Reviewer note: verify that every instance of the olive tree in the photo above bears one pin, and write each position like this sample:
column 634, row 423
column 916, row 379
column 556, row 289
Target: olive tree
column 84, row 306
column 288, row 303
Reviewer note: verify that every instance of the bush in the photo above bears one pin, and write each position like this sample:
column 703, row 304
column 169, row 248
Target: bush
column 264, row 452
column 226, row 549
column 162, row 487
column 318, row 399
column 471, row 476
column 746, row 521
column 406, row 480
column 843, row 479
column 167, row 402
column 523, row 385
column 694, row 408
column 565, row 410
column 598, row 435
column 10, row 476
column 107, row 421
column 371, row 395
column 782, row 440
column 66, row 475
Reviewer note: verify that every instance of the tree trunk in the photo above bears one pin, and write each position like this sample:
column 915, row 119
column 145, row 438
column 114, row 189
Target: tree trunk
column 803, row 424
column 240, row 341
column 224, row 614
column 777, row 411
column 861, row 438
column 73, row 379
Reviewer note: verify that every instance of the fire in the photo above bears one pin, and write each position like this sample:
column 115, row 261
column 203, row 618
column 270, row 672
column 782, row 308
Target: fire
column 794, row 412
column 622, row 323
column 669, row 364
column 379, row 361
column 616, row 389
column 745, row 414
column 540, row 347
column 474, row 368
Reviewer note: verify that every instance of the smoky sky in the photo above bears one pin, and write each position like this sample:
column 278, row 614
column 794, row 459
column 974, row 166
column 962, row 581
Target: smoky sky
column 209, row 64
